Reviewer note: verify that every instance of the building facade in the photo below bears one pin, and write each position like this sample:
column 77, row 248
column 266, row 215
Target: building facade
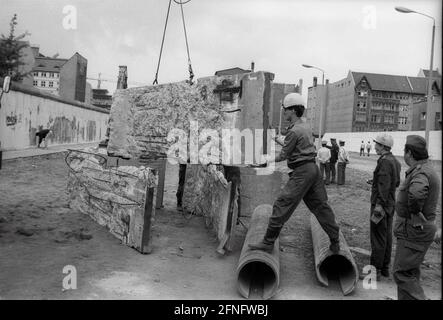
column 373, row 102
column 101, row 98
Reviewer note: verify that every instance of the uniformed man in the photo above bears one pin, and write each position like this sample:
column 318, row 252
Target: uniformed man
column 343, row 160
column 415, row 224
column 305, row 181
column 334, row 157
column 386, row 179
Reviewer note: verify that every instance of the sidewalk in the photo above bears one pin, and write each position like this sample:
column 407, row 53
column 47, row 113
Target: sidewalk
column 34, row 151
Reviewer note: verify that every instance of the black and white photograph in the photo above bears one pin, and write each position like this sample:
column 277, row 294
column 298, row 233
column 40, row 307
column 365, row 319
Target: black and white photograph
column 239, row 153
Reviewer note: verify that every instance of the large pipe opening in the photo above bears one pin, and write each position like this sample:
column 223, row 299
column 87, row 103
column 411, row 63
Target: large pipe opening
column 338, row 268
column 257, row 280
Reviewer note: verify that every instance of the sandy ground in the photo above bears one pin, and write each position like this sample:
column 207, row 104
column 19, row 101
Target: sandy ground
column 40, row 235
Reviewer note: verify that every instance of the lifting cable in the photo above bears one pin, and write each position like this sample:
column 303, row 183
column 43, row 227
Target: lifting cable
column 191, row 73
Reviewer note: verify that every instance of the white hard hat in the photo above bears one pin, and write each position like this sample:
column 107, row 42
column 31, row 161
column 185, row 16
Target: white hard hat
column 385, row 140
column 293, row 99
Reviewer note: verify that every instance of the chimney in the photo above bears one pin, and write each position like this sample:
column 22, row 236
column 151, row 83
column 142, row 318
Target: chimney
column 252, row 66
column 122, row 82
column 300, row 85
column 314, row 82
column 35, row 50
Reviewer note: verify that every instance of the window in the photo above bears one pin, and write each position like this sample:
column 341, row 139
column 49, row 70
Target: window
column 360, row 117
column 56, row 75
column 437, row 115
column 361, row 105
column 362, row 93
column 389, row 119
column 375, row 118
column 51, row 75
column 402, row 120
column 35, row 74
column 43, row 74
column 51, row 84
column 404, row 108
column 35, row 83
column 423, row 116
column 43, row 83
column 389, row 107
column 377, row 106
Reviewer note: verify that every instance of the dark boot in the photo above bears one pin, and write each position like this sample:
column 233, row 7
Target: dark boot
column 385, row 273
column 267, row 244
column 267, row 247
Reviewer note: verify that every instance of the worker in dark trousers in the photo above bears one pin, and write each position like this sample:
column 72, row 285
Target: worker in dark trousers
column 415, row 227
column 181, row 186
column 41, row 137
column 385, row 181
column 334, row 158
column 305, row 182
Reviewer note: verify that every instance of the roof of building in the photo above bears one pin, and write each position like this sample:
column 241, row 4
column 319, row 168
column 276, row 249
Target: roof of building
column 418, row 84
column 231, row 71
column 384, row 82
column 394, row 83
column 435, row 73
column 48, row 64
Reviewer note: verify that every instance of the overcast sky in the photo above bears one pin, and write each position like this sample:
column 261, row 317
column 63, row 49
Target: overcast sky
column 278, row 35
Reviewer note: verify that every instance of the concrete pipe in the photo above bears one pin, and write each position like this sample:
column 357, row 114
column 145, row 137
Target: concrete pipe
column 328, row 266
column 258, row 272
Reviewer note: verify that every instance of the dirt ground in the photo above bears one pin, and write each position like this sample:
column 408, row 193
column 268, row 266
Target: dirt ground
column 40, row 235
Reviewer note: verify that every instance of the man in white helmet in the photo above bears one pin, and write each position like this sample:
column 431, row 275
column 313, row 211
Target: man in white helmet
column 385, row 180
column 305, row 182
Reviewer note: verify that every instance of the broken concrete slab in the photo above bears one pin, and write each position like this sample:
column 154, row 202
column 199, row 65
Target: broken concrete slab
column 121, row 199
column 207, row 193
column 142, row 118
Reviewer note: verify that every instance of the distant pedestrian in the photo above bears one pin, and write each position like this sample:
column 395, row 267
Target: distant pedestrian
column 362, row 148
column 386, row 179
column 368, row 147
column 324, row 156
column 334, row 157
column 343, row 160
column 41, row 136
column 415, row 227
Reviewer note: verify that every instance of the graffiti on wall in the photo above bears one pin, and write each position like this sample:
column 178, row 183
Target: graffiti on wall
column 11, row 120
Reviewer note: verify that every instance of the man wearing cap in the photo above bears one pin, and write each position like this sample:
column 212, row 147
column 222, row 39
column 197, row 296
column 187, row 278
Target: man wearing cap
column 415, row 224
column 343, row 160
column 324, row 155
column 334, row 157
column 386, row 179
column 305, row 182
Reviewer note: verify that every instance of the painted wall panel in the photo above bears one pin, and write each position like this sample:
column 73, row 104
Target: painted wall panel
column 23, row 114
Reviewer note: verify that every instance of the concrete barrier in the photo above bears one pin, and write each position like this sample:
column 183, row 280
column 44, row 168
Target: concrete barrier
column 25, row 110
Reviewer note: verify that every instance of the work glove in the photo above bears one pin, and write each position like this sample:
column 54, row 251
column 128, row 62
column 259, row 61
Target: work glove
column 418, row 220
column 280, row 140
column 377, row 214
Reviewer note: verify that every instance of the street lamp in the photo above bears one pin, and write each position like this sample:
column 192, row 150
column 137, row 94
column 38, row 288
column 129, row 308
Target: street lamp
column 323, row 72
column 320, row 127
column 429, row 100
